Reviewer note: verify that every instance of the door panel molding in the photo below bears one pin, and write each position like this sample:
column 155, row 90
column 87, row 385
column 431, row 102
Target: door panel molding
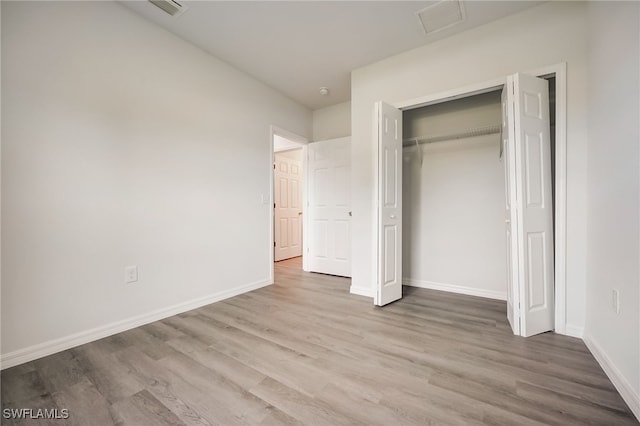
column 389, row 212
column 329, row 205
column 534, row 230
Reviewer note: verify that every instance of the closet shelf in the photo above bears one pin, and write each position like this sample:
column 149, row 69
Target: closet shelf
column 478, row 131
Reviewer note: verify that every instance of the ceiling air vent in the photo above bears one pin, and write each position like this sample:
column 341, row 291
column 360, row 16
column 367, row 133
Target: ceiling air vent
column 441, row 15
column 171, row 7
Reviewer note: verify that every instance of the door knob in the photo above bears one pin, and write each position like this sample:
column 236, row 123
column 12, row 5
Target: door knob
column 507, row 221
column 392, row 216
column 350, row 214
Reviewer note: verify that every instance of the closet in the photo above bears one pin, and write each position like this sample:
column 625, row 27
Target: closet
column 454, row 197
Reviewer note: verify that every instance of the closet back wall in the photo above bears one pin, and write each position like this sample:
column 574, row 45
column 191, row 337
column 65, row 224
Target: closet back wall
column 454, row 235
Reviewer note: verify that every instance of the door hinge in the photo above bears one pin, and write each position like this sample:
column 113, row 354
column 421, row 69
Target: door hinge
column 274, row 166
column 274, row 205
column 274, row 243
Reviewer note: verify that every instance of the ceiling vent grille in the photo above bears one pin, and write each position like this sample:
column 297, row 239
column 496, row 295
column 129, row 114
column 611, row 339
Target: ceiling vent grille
column 440, row 16
column 171, row 7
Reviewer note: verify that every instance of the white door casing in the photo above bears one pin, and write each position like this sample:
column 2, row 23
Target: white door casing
column 532, row 199
column 329, row 198
column 389, row 139
column 510, row 217
column 288, row 183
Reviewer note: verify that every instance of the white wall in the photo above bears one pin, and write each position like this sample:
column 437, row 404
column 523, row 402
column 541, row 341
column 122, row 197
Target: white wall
column 332, row 122
column 453, row 203
column 552, row 33
column 613, row 212
column 124, row 145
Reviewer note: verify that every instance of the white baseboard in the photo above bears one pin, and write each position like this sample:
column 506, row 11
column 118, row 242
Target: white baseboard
column 573, row 331
column 630, row 396
column 469, row 291
column 47, row 348
column 367, row 292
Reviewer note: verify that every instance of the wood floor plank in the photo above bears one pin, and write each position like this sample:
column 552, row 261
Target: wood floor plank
column 162, row 331
column 60, row 370
column 86, row 405
column 148, row 343
column 306, row 352
column 308, row 410
column 273, row 360
column 582, row 411
column 182, row 398
column 233, row 404
column 38, row 402
column 233, row 370
column 110, row 377
column 143, row 409
column 20, row 385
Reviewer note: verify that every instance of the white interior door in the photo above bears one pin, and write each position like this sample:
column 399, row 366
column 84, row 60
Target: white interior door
column 532, row 201
column 510, row 219
column 287, row 193
column 389, row 282
column 329, row 197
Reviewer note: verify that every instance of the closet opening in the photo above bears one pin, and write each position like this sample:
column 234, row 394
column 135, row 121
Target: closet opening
column 453, row 186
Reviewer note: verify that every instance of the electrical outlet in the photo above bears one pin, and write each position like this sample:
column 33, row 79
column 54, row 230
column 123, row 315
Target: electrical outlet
column 615, row 300
column 131, row 274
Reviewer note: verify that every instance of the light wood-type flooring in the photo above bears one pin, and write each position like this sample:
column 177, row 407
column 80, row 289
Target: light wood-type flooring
column 305, row 351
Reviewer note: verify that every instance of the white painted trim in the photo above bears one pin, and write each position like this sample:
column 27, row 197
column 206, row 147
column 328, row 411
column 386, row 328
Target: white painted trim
column 287, row 148
column 560, row 220
column 375, row 247
column 453, row 288
column 573, row 331
column 294, row 137
column 560, row 247
column 53, row 346
column 271, row 214
column 631, row 397
column 360, row 291
column 305, row 207
column 453, row 94
column 340, row 139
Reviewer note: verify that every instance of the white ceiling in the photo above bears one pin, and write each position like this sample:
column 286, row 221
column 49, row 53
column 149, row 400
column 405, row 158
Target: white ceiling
column 297, row 47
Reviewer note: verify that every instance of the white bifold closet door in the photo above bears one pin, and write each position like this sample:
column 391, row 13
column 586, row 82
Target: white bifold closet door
column 389, row 282
column 529, row 208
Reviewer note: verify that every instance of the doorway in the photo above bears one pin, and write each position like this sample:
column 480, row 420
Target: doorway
column 324, row 212
column 288, row 184
column 288, row 190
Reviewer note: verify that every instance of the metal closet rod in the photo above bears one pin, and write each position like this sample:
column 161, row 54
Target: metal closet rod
column 478, row 131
